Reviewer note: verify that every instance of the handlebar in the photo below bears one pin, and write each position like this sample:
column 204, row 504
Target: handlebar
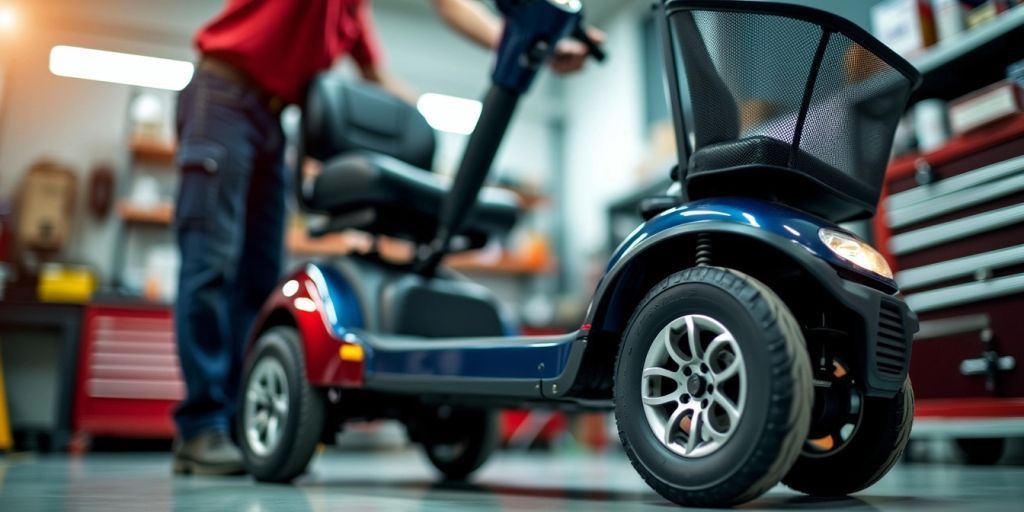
column 593, row 47
column 532, row 29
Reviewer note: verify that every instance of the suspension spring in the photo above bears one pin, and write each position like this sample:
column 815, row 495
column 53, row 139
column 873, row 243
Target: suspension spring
column 703, row 250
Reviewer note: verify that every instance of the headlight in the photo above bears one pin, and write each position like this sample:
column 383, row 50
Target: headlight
column 855, row 251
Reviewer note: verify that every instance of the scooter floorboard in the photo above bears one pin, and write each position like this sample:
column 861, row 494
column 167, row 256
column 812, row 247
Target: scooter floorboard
column 512, row 367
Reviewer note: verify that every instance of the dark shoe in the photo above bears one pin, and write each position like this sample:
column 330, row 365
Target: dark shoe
column 209, row 453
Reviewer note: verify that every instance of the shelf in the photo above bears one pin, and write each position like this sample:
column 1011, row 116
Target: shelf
column 160, row 215
column 973, row 60
column 153, row 151
column 507, row 263
column 970, row 40
column 299, row 243
column 528, row 199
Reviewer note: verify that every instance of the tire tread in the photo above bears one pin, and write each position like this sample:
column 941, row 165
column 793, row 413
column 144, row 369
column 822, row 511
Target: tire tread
column 791, row 373
column 310, row 420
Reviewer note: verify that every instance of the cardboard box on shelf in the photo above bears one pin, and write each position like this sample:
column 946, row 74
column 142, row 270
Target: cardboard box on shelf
column 45, row 204
column 986, row 106
column 906, row 26
column 950, row 18
column 986, row 12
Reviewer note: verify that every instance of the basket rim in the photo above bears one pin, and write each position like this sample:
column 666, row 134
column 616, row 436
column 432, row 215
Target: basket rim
column 824, row 19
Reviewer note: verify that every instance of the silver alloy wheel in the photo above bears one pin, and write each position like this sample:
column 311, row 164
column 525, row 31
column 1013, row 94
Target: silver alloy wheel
column 266, row 406
column 694, row 386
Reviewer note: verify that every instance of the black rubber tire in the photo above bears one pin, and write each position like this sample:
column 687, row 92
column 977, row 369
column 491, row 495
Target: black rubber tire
column 475, row 430
column 776, row 415
column 305, row 419
column 981, row 451
column 876, row 446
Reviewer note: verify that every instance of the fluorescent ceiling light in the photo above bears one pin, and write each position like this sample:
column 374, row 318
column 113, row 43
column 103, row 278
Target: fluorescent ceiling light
column 450, row 113
column 120, row 68
column 8, row 18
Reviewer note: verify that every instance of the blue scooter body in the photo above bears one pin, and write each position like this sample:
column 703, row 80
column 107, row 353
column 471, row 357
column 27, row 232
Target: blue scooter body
column 527, row 368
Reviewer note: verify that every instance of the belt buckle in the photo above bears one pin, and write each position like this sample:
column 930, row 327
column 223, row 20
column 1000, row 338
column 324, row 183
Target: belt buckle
column 275, row 104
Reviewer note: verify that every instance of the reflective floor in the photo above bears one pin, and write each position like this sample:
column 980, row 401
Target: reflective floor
column 404, row 481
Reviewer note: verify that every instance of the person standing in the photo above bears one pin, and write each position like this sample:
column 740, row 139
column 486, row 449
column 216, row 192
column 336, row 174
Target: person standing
column 257, row 56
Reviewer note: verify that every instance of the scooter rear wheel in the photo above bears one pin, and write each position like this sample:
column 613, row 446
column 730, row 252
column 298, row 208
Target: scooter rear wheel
column 846, row 464
column 459, row 441
column 280, row 416
column 712, row 388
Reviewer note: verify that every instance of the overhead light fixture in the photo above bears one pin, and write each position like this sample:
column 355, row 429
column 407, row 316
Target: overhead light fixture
column 120, row 68
column 8, row 18
column 450, row 113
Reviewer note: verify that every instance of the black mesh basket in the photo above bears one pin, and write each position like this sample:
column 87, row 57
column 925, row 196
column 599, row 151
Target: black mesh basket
column 786, row 102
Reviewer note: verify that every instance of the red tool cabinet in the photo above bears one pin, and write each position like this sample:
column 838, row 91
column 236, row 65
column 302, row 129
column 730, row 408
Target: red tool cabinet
column 952, row 226
column 128, row 378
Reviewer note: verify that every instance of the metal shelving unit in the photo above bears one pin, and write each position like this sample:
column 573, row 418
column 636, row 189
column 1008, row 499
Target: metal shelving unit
column 975, row 59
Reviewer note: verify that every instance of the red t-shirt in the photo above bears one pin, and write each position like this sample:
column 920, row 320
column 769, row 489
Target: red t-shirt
column 282, row 44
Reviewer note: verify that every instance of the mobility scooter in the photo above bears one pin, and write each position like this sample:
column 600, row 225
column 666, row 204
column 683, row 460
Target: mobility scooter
column 740, row 336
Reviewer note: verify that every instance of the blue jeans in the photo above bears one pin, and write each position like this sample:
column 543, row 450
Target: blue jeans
column 229, row 221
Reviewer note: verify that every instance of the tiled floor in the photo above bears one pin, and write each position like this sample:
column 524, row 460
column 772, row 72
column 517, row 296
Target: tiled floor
column 350, row 481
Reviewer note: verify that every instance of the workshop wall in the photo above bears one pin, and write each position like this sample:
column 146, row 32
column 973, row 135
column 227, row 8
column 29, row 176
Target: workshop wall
column 83, row 123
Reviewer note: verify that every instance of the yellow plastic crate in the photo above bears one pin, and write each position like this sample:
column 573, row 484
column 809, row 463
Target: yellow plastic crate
column 66, row 284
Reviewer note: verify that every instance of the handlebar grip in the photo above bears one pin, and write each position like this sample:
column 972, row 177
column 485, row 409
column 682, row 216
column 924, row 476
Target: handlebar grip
column 593, row 47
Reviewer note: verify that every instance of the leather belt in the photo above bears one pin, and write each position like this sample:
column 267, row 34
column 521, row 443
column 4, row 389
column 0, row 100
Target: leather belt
column 231, row 73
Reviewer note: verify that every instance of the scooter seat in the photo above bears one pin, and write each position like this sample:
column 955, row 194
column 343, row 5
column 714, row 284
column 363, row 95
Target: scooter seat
column 760, row 167
column 379, row 194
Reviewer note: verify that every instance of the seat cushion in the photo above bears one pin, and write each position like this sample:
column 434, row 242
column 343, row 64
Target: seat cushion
column 760, row 167
column 394, row 198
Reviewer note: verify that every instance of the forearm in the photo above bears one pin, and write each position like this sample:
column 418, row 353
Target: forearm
column 471, row 19
column 389, row 83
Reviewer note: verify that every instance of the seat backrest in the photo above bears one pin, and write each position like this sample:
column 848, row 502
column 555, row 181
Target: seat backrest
column 341, row 116
column 716, row 119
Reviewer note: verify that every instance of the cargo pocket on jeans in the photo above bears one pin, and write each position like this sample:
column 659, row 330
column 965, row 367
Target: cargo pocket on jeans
column 200, row 162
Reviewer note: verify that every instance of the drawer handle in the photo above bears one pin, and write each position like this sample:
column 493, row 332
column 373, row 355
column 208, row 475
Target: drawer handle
column 980, row 366
column 990, row 364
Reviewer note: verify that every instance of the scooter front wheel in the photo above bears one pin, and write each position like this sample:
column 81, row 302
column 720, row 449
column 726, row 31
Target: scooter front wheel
column 712, row 388
column 281, row 416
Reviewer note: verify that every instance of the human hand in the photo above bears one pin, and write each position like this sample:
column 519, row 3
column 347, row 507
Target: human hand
column 571, row 55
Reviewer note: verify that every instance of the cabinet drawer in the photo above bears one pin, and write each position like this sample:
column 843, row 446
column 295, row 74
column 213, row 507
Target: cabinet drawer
column 949, row 352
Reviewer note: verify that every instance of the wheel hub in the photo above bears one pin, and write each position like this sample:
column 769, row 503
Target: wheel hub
column 838, row 411
column 694, row 386
column 265, row 409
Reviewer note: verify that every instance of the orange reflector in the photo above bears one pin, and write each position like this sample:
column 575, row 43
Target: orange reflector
column 351, row 353
column 824, row 444
column 839, row 371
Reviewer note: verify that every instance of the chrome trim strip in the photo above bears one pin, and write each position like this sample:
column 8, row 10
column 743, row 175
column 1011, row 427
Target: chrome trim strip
column 938, row 272
column 955, row 230
column 965, row 293
column 950, row 326
column 955, row 201
column 959, row 182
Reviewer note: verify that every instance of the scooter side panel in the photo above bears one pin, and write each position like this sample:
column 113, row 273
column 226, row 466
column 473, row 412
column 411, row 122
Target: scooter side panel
column 497, row 358
column 324, row 308
column 790, row 230
column 793, row 225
